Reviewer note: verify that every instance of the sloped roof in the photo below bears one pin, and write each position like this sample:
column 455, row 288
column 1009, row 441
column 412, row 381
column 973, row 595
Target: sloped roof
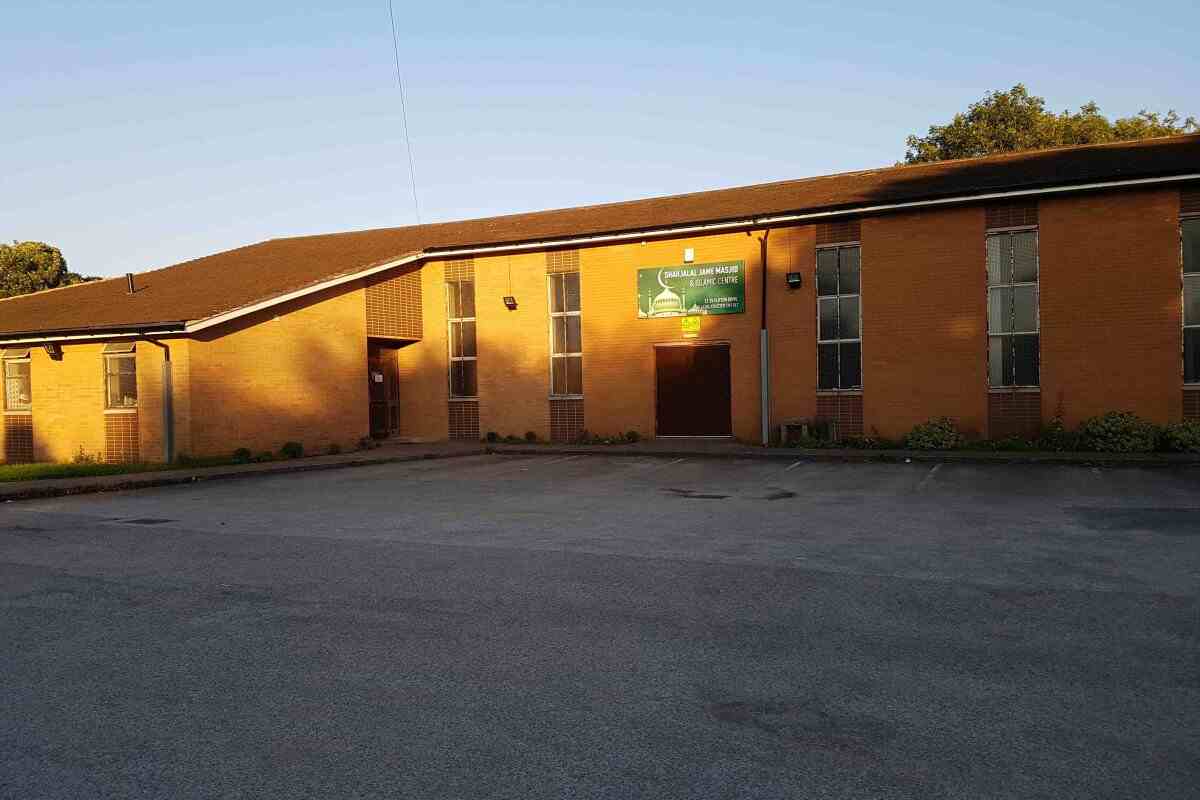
column 208, row 286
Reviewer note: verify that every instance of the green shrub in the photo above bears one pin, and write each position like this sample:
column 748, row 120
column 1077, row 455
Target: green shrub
column 492, row 437
column 292, row 450
column 1056, row 438
column 1118, row 432
column 333, row 449
column 1181, row 437
column 84, row 458
column 530, row 436
column 510, row 439
column 583, row 437
column 264, row 457
column 936, row 434
column 242, row 456
column 633, row 437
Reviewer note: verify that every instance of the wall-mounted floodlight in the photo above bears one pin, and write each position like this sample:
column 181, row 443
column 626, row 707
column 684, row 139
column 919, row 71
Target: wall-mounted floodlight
column 795, row 280
column 510, row 302
column 54, row 351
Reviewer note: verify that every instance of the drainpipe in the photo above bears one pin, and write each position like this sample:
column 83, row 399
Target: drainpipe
column 764, row 359
column 168, row 403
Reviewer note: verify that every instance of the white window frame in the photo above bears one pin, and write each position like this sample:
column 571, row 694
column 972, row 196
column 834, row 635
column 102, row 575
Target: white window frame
column 108, row 359
column 1184, row 218
column 22, row 409
column 450, row 320
column 1037, row 311
column 838, row 246
column 555, row 315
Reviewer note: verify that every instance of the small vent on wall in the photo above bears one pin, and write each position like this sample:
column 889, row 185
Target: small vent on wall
column 845, row 230
column 562, row 261
column 1189, row 200
column 1012, row 215
column 461, row 270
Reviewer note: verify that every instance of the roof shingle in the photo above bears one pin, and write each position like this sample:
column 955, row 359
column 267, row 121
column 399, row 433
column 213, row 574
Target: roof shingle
column 233, row 279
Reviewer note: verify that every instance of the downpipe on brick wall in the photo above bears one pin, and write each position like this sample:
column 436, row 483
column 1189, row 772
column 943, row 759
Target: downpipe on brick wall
column 168, row 402
column 764, row 360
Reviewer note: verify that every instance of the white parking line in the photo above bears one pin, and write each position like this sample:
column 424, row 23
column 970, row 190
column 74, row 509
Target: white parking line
column 928, row 477
column 560, row 460
column 793, row 466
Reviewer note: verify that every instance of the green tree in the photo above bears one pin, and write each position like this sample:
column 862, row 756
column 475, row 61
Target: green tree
column 33, row 266
column 1006, row 122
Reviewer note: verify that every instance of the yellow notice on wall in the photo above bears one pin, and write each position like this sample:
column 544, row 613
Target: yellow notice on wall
column 690, row 326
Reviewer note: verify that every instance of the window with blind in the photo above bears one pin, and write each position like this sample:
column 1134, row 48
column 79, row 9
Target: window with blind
column 1190, row 234
column 460, row 310
column 839, row 315
column 120, row 377
column 1013, row 326
column 566, row 335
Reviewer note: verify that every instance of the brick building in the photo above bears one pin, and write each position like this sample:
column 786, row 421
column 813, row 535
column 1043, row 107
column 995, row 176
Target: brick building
column 1001, row 292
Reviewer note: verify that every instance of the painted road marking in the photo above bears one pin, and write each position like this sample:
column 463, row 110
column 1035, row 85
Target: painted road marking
column 793, row 466
column 560, row 460
column 928, row 477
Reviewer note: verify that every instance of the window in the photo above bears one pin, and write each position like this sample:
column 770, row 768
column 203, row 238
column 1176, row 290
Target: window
column 566, row 335
column 18, row 389
column 120, row 376
column 1012, row 274
column 839, row 315
column 460, row 308
column 1190, row 233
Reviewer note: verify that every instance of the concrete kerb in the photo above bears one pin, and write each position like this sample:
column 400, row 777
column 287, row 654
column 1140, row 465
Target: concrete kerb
column 856, row 455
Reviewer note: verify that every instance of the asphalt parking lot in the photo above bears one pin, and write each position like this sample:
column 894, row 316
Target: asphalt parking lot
column 589, row 626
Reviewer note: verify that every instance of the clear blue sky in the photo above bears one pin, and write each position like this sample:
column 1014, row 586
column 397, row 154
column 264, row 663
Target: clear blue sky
column 140, row 134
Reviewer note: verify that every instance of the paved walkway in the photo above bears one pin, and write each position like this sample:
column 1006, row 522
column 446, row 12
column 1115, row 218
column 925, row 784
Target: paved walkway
column 388, row 453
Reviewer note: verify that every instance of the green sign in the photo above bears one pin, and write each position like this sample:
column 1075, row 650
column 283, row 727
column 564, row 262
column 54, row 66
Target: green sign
column 692, row 289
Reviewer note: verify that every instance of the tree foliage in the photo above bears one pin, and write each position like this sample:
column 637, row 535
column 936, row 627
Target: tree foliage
column 27, row 267
column 1005, row 122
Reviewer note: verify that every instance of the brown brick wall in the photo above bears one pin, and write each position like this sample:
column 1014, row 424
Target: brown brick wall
column 18, row 438
column 514, row 346
column 924, row 308
column 1011, row 215
column 295, row 373
column 394, row 307
column 1014, row 414
column 1110, row 305
column 619, row 364
column 791, row 321
column 839, row 231
column 121, row 437
column 1189, row 200
column 566, row 419
column 464, row 420
column 562, row 261
column 424, row 378
column 1191, row 405
column 845, row 410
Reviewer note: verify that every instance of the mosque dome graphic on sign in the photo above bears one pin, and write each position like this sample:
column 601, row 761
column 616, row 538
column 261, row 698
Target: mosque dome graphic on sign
column 666, row 302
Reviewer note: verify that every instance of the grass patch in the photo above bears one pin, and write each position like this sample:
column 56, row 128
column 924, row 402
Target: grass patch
column 36, row 472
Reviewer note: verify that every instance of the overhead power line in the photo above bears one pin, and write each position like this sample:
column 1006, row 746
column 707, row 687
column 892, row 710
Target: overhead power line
column 412, row 173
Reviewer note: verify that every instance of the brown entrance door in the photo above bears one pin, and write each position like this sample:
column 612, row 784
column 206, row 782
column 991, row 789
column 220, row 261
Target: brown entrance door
column 693, row 390
column 383, row 388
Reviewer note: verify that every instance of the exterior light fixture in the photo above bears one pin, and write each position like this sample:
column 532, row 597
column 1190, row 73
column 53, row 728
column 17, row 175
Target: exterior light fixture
column 510, row 302
column 794, row 280
column 54, row 351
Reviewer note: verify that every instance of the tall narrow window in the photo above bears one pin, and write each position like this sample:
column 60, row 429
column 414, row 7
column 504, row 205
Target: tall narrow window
column 120, row 376
column 460, row 309
column 566, row 335
column 839, row 315
column 1190, row 232
column 1013, row 327
column 18, row 390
